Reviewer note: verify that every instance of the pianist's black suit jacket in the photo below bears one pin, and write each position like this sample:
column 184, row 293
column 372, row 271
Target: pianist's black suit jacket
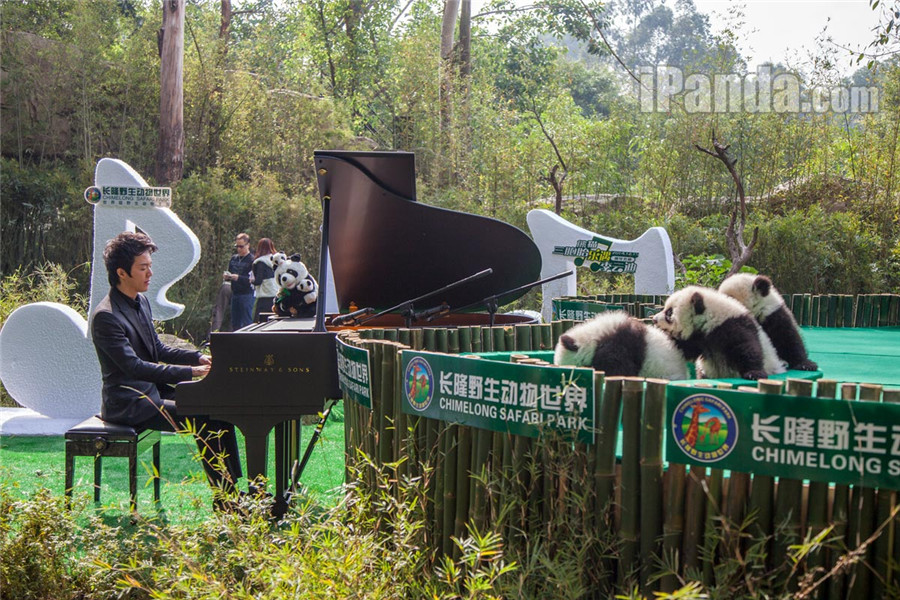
column 130, row 353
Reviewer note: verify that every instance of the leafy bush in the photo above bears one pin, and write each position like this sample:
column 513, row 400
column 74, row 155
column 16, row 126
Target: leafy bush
column 707, row 271
column 816, row 252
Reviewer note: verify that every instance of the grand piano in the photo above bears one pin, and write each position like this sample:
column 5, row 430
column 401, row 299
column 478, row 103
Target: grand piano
column 384, row 248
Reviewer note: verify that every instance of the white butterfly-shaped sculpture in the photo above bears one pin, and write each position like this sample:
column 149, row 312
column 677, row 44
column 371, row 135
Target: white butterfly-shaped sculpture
column 558, row 241
column 47, row 360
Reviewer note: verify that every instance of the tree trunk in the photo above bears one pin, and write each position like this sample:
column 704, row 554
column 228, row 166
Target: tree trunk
column 448, row 29
column 225, row 23
column 170, row 153
column 465, row 40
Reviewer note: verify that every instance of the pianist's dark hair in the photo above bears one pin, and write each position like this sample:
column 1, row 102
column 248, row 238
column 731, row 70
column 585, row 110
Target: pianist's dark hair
column 121, row 251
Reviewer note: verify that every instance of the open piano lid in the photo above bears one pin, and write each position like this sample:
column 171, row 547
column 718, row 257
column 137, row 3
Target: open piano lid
column 386, row 248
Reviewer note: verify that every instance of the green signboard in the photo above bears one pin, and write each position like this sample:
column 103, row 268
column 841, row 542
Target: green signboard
column 580, row 310
column 505, row 397
column 140, row 197
column 801, row 438
column 354, row 373
column 596, row 255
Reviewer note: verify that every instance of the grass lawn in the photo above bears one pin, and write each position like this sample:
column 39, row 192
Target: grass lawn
column 29, row 463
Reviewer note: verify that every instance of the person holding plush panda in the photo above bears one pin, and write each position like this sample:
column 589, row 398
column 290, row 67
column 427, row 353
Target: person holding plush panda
column 263, row 277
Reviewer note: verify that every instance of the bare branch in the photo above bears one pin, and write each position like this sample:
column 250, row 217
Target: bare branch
column 739, row 251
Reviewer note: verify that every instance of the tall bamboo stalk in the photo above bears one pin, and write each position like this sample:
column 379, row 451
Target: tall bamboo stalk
column 629, row 532
column 448, row 483
column 694, row 509
column 673, row 525
column 711, row 527
column 464, row 483
column 817, row 504
column 862, row 518
column 788, row 501
column 651, row 479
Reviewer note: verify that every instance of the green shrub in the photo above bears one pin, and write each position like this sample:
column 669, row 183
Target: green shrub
column 820, row 253
column 707, row 271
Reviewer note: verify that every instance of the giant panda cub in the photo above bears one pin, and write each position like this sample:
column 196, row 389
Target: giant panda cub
column 621, row 346
column 757, row 293
column 720, row 333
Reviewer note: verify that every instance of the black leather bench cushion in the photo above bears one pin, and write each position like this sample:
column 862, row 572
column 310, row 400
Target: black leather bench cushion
column 97, row 427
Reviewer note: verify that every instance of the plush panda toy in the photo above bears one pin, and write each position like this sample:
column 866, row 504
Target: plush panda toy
column 299, row 291
column 757, row 293
column 720, row 333
column 621, row 346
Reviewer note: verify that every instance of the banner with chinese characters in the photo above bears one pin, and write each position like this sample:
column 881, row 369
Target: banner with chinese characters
column 580, row 310
column 353, row 373
column 596, row 255
column 505, row 397
column 141, row 197
column 850, row 442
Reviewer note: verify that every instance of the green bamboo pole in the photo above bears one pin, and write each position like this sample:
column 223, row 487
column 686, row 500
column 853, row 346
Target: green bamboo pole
column 651, row 479
column 863, row 516
column 429, row 339
column 832, row 310
column 629, row 533
column 817, row 504
column 523, row 337
column 388, row 416
column 498, row 340
column 556, row 329
column 403, row 436
column 452, row 341
column 893, row 574
column 450, row 448
column 464, row 483
column 509, row 338
column 711, row 526
column 840, row 517
column 522, row 483
column 605, row 448
column 487, row 339
column 673, row 526
column 464, row 335
column 477, row 342
column 762, row 490
column 479, row 508
column 789, row 501
column 442, row 339
column 506, row 505
column 535, row 331
column 695, row 503
column 797, row 307
column 545, row 335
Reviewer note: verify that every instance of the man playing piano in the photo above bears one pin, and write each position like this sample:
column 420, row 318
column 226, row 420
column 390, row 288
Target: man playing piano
column 139, row 371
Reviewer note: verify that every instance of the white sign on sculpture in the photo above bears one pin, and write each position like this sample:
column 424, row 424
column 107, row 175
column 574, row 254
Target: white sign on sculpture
column 564, row 245
column 47, row 360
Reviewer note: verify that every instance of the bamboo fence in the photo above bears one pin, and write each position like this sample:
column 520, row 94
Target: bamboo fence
column 633, row 510
column 827, row 310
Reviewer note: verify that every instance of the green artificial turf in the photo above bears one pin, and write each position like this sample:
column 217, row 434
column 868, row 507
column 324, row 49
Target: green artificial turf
column 28, row 463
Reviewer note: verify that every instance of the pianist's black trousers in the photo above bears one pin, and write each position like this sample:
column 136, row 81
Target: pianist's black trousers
column 215, row 439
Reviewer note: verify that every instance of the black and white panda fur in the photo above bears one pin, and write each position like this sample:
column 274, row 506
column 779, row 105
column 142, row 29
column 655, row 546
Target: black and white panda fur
column 720, row 333
column 621, row 346
column 757, row 293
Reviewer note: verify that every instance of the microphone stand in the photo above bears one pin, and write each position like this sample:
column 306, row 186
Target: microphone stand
column 492, row 303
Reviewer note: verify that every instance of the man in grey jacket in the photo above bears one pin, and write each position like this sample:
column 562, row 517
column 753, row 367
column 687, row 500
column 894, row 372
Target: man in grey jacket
column 139, row 371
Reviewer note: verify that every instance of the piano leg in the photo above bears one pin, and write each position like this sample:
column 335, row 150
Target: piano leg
column 256, row 447
column 287, row 453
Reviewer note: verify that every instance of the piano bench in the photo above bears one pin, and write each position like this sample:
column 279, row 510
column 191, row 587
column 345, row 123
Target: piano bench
column 98, row 438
